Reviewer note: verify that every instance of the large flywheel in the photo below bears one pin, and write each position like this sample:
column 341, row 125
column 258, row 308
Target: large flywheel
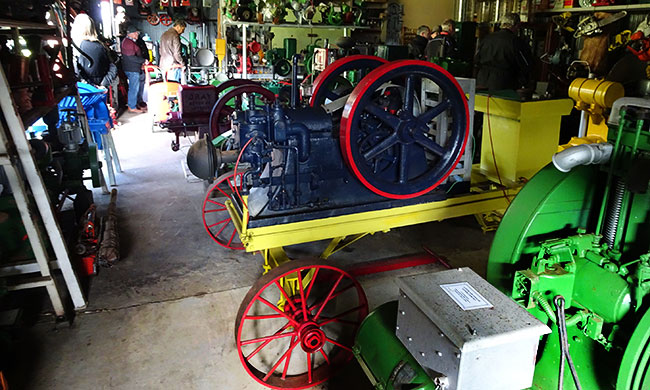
column 331, row 84
column 389, row 137
column 234, row 100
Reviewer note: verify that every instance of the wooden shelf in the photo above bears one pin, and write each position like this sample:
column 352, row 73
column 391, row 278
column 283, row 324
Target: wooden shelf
column 296, row 25
column 627, row 7
column 9, row 23
column 35, row 113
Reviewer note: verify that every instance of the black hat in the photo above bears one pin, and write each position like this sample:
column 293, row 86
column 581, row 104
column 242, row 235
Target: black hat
column 131, row 29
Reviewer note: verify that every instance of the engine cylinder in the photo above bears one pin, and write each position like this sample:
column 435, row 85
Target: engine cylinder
column 601, row 291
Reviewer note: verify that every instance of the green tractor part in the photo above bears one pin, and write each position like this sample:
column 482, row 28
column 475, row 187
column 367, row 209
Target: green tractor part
column 388, row 364
column 583, row 235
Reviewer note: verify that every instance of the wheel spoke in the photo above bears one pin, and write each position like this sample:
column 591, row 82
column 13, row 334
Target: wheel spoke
column 434, row 111
column 381, row 147
column 429, row 144
column 338, row 317
column 264, row 317
column 285, row 295
column 232, row 236
column 286, row 362
column 403, row 163
column 268, row 338
column 224, row 221
column 338, row 344
column 284, row 356
column 329, row 297
column 311, row 284
column 322, row 351
column 215, row 202
column 309, row 366
column 214, row 210
column 409, row 94
column 302, row 296
column 331, row 95
column 283, row 314
column 264, row 344
column 321, row 302
column 384, row 116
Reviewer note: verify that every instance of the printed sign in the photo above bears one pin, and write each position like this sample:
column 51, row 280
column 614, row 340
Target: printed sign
column 466, row 296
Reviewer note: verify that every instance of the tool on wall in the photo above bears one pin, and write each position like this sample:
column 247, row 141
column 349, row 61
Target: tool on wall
column 592, row 26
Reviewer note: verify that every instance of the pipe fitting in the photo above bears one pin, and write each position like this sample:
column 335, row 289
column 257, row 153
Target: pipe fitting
column 586, row 154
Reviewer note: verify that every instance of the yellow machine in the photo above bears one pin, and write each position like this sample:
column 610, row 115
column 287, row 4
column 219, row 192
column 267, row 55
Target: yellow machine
column 593, row 97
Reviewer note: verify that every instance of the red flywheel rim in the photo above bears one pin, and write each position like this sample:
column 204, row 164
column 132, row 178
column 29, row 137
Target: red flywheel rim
column 351, row 106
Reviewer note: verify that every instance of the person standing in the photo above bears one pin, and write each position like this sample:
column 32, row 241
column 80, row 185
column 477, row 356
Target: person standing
column 419, row 43
column 442, row 45
column 171, row 61
column 503, row 60
column 93, row 64
column 132, row 61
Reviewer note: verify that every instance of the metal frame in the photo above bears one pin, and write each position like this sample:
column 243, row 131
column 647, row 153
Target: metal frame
column 464, row 167
column 19, row 168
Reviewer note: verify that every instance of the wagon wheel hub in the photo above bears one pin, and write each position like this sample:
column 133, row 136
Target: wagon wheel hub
column 312, row 338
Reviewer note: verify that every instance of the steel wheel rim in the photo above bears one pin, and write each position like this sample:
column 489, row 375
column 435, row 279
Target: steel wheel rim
column 223, row 231
column 331, row 351
column 405, row 129
column 221, row 110
column 336, row 69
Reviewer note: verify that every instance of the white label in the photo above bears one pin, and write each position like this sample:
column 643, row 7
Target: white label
column 466, row 296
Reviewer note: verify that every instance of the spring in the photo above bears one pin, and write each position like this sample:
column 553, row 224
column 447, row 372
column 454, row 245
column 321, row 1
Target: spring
column 614, row 213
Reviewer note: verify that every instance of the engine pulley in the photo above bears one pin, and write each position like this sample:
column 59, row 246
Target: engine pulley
column 390, row 140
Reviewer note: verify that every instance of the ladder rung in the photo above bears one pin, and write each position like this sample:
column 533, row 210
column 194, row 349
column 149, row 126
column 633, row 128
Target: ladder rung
column 41, row 281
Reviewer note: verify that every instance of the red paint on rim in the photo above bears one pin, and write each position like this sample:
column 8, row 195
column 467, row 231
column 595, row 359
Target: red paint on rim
column 351, row 106
column 230, row 244
column 333, row 68
column 274, row 275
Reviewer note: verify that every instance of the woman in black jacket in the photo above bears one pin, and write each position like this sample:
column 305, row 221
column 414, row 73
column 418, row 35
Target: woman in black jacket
column 93, row 65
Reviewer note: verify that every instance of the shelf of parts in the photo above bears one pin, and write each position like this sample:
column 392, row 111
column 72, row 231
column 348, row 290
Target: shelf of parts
column 628, row 7
column 9, row 23
column 296, row 25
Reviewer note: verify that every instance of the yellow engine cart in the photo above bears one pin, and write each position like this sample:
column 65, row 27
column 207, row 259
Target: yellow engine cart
column 288, row 289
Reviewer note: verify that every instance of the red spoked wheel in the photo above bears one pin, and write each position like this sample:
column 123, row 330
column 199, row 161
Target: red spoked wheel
column 165, row 19
column 153, row 19
column 330, row 83
column 309, row 337
column 222, row 110
column 395, row 145
column 216, row 218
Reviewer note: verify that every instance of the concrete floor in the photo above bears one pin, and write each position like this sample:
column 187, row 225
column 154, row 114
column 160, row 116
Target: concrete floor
column 164, row 316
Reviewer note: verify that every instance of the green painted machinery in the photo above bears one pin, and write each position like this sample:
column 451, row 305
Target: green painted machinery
column 583, row 236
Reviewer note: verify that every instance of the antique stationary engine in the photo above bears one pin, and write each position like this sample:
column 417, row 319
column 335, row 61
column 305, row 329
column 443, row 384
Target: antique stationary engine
column 375, row 147
column 572, row 250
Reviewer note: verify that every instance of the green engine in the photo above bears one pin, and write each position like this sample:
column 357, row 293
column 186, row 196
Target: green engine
column 574, row 250
column 584, row 235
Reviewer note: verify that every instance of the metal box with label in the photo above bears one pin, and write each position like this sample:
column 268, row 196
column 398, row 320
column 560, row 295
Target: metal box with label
column 467, row 334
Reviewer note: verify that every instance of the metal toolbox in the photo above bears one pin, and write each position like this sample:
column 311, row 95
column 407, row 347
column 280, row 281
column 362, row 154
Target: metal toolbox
column 467, row 334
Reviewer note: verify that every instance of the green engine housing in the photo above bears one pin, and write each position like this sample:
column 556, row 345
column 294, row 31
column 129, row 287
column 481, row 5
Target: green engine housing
column 543, row 249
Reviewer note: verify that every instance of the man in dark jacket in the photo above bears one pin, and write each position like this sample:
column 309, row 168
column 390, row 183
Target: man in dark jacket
column 442, row 45
column 419, row 43
column 503, row 60
column 132, row 62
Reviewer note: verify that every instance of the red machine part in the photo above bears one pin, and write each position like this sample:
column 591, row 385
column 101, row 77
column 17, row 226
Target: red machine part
column 326, row 85
column 640, row 46
column 153, row 19
column 86, row 246
column 165, row 19
column 310, row 337
column 216, row 220
column 254, row 47
column 249, row 64
column 164, row 3
column 378, row 154
column 222, row 110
